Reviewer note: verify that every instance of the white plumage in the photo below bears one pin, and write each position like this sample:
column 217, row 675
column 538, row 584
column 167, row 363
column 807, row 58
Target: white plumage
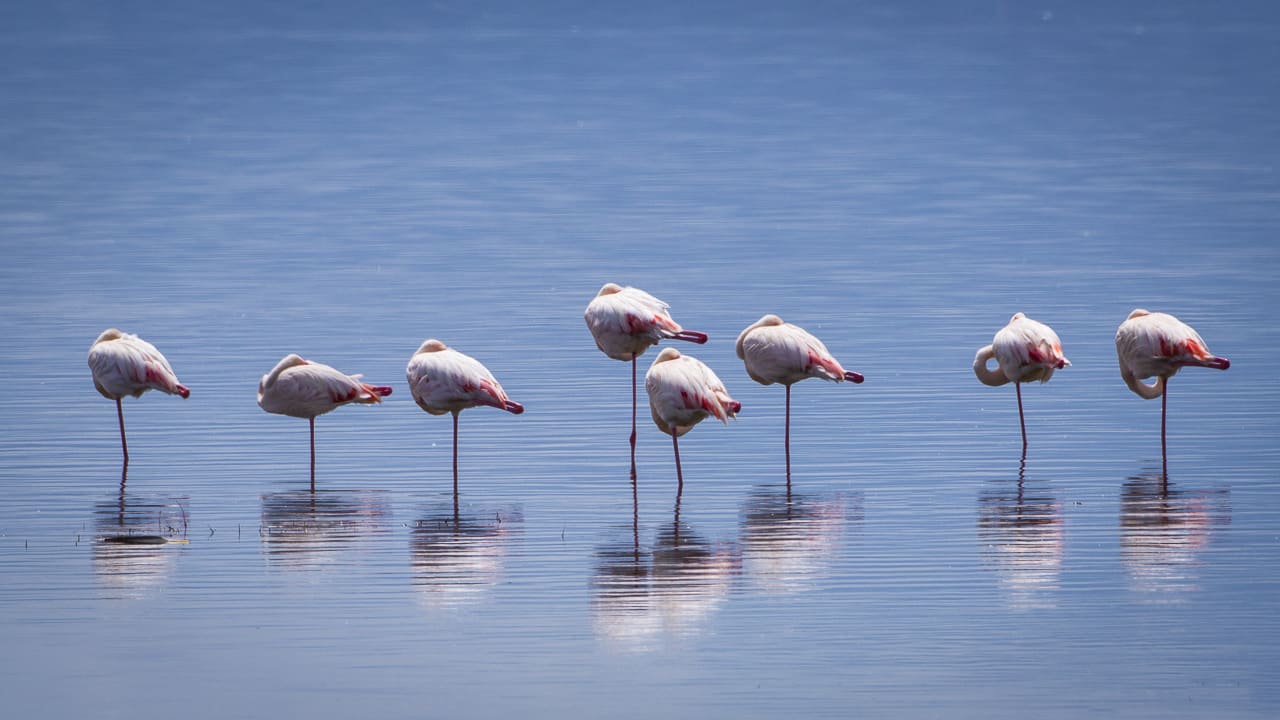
column 443, row 380
column 774, row 351
column 304, row 389
column 683, row 392
column 1025, row 350
column 779, row 352
column 1157, row 344
column 625, row 321
column 124, row 364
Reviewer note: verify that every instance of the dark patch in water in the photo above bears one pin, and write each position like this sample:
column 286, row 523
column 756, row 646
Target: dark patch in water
column 135, row 539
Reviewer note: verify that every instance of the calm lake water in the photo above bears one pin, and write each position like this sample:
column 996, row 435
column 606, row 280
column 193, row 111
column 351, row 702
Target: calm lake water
column 235, row 182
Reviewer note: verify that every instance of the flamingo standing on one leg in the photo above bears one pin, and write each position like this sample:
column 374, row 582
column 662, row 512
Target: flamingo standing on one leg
column 1025, row 350
column 443, row 380
column 682, row 393
column 125, row 364
column 304, row 389
column 1158, row 344
column 625, row 321
column 778, row 352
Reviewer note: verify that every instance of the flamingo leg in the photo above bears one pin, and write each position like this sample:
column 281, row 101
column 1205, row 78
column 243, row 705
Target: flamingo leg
column 635, row 522
column 787, row 436
column 1164, row 404
column 679, row 474
column 457, row 516
column 124, row 445
column 312, row 423
column 455, row 454
column 121, row 508
column 633, row 418
column 1021, row 422
column 675, row 525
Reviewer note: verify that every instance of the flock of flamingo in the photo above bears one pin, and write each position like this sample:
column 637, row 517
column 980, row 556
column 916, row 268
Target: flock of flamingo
column 683, row 391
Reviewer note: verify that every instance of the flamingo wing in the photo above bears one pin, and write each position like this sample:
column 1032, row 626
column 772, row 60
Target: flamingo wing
column 1152, row 344
column 157, row 372
column 112, row 366
column 448, row 380
column 315, row 388
column 685, row 391
column 130, row 365
column 629, row 320
column 786, row 354
column 1028, row 350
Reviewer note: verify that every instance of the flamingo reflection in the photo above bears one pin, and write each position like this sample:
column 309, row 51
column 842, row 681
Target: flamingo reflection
column 1022, row 535
column 789, row 540
column 313, row 530
column 669, row 591
column 457, row 557
column 138, row 542
column 1165, row 531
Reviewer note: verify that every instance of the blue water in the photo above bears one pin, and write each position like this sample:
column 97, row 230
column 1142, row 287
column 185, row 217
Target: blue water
column 234, row 183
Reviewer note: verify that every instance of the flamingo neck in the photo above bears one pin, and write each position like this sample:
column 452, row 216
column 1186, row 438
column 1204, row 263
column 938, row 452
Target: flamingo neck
column 1145, row 391
column 987, row 376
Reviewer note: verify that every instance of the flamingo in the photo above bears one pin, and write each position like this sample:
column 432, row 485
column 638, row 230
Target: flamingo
column 1159, row 344
column 304, row 389
column 125, row 364
column 443, row 380
column 625, row 321
column 779, row 352
column 682, row 393
column 1025, row 350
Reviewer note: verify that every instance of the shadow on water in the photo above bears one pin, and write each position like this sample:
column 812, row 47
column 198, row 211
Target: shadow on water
column 790, row 540
column 1020, row 526
column 137, row 542
column 669, row 590
column 312, row 530
column 1164, row 531
column 458, row 555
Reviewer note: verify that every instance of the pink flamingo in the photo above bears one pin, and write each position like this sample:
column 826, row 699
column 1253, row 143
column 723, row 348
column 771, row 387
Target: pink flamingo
column 682, row 393
column 443, row 380
column 625, row 321
column 1025, row 350
column 1158, row 344
column 304, row 389
column 125, row 364
column 779, row 352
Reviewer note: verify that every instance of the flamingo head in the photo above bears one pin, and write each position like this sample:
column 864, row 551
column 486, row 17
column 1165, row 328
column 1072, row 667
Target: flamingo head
column 668, row 353
column 109, row 334
column 288, row 361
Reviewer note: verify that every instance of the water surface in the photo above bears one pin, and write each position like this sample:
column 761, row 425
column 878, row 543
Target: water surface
column 238, row 184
